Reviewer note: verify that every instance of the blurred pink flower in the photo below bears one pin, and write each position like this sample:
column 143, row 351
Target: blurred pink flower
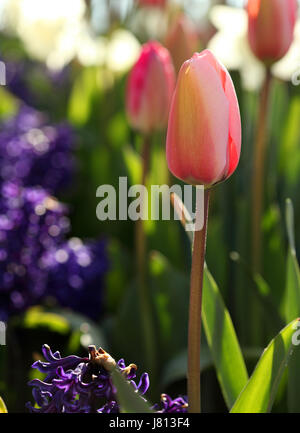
column 181, row 40
column 271, row 26
column 150, row 87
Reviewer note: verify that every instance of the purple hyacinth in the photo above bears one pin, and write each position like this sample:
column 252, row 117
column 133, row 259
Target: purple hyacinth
column 31, row 222
column 76, row 273
column 36, row 261
column 33, row 153
column 168, row 405
column 80, row 385
column 83, row 385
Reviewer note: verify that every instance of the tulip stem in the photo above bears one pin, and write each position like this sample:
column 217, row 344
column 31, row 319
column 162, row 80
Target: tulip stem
column 143, row 292
column 258, row 173
column 195, row 310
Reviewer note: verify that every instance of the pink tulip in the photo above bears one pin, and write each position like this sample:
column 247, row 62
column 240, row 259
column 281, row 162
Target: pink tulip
column 204, row 130
column 149, row 89
column 181, row 40
column 271, row 27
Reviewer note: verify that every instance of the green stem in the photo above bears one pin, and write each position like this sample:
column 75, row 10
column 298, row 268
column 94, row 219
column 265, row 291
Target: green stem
column 258, row 176
column 195, row 310
column 143, row 291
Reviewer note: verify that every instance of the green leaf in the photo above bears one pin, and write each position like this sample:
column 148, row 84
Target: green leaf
column 37, row 317
column 128, row 398
column 262, row 292
column 289, row 157
column 118, row 275
column 65, row 321
column 289, row 215
column 3, row 408
column 259, row 393
column 274, row 255
column 168, row 285
column 90, row 332
column 84, row 88
column 176, row 369
column 8, row 105
column 222, row 341
column 292, row 308
column 292, row 304
column 133, row 164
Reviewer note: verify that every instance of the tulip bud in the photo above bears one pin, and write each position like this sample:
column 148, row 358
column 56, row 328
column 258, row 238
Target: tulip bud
column 181, row 40
column 149, row 89
column 271, row 27
column 204, row 130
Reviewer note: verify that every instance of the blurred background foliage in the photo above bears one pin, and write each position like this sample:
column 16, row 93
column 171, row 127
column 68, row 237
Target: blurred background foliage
column 70, row 60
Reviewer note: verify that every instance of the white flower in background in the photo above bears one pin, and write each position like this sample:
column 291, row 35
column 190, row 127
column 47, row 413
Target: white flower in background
column 117, row 53
column 91, row 50
column 230, row 45
column 48, row 29
column 289, row 66
column 122, row 51
column 55, row 31
column 150, row 22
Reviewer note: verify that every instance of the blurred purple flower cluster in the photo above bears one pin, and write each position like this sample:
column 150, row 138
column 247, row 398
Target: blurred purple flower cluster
column 34, row 153
column 83, row 385
column 36, row 259
column 30, row 223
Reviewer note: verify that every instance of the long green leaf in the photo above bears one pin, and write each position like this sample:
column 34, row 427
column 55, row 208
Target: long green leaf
column 259, row 393
column 38, row 317
column 222, row 340
column 3, row 408
column 292, row 305
column 128, row 398
column 292, row 308
column 176, row 369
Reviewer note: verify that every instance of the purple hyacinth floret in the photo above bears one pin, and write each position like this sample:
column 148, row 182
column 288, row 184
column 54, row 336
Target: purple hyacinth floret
column 168, row 405
column 33, row 153
column 80, row 385
column 83, row 385
column 31, row 222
